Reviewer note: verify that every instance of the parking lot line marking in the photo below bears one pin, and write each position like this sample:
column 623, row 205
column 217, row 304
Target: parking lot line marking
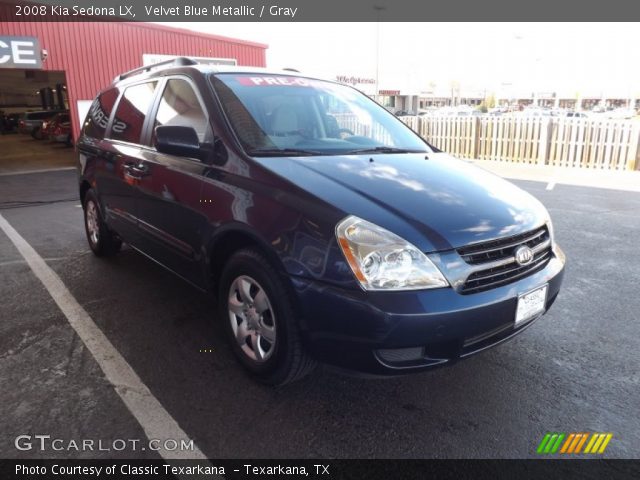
column 551, row 185
column 156, row 422
column 42, row 170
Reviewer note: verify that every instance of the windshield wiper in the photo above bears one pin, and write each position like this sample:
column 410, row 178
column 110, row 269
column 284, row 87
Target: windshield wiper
column 383, row 150
column 283, row 152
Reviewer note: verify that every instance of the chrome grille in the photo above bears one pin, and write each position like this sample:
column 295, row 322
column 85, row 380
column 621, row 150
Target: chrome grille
column 495, row 260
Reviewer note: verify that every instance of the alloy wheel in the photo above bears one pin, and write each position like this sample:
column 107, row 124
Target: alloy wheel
column 252, row 318
column 92, row 219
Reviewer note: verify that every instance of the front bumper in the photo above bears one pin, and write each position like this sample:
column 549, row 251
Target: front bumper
column 396, row 332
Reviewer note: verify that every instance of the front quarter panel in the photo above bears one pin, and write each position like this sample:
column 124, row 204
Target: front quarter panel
column 87, row 152
column 245, row 197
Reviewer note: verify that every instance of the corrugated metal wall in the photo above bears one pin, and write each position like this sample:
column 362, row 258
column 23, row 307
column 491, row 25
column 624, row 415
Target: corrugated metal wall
column 93, row 53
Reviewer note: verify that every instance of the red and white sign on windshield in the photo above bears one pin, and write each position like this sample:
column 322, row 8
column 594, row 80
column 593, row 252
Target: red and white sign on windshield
column 276, row 81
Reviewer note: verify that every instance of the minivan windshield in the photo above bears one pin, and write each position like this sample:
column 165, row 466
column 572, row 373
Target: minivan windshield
column 282, row 115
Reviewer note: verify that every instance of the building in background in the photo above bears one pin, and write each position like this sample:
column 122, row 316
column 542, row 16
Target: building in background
column 52, row 65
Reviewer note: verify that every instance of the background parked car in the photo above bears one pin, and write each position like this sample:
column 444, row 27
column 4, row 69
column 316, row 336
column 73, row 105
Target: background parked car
column 427, row 111
column 621, row 113
column 536, row 112
column 50, row 125
column 31, row 122
column 9, row 122
column 62, row 133
column 497, row 111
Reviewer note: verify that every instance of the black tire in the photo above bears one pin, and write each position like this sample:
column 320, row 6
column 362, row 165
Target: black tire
column 105, row 243
column 288, row 361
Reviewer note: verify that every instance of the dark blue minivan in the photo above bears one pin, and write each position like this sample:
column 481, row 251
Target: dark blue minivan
column 328, row 229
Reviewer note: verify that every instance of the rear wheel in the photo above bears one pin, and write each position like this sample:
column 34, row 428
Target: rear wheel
column 259, row 319
column 103, row 242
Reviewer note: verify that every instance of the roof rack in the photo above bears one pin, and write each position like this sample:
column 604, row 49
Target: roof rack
column 178, row 62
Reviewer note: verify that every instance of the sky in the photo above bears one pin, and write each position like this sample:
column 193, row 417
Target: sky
column 590, row 59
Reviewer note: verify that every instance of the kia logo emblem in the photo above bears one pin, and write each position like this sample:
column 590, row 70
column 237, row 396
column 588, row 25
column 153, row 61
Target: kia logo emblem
column 524, row 255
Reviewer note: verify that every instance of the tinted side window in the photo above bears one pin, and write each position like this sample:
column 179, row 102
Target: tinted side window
column 95, row 125
column 132, row 110
column 179, row 106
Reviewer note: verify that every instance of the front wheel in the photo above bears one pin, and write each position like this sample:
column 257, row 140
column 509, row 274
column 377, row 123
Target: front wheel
column 103, row 242
column 259, row 319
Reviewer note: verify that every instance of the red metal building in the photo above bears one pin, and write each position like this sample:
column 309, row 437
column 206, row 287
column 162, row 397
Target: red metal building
column 92, row 53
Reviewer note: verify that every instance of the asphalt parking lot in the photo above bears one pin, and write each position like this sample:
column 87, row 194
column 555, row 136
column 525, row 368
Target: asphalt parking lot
column 577, row 369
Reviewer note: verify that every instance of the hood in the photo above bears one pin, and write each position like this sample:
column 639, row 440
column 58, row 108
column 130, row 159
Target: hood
column 437, row 203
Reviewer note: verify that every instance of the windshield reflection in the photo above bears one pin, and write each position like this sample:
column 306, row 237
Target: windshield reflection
column 275, row 115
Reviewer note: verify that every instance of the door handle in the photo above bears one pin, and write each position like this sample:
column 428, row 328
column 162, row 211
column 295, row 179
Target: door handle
column 136, row 171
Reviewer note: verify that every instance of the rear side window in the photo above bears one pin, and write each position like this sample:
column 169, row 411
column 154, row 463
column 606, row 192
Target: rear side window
column 95, row 125
column 132, row 111
column 180, row 106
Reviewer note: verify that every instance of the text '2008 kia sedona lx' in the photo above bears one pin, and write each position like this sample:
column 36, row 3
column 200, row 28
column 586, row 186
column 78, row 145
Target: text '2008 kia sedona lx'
column 328, row 229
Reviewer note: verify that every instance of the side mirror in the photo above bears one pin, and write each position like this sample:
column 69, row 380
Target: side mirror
column 178, row 140
column 220, row 154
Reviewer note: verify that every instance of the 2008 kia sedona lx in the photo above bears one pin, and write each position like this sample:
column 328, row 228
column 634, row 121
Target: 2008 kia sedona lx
column 328, row 229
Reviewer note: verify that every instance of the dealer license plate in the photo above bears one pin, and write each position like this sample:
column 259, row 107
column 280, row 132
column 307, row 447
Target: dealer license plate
column 531, row 304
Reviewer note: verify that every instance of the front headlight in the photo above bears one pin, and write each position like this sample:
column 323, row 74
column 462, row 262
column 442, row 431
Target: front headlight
column 381, row 260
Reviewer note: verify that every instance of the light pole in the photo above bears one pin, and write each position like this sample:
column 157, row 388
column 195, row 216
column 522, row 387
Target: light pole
column 378, row 9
